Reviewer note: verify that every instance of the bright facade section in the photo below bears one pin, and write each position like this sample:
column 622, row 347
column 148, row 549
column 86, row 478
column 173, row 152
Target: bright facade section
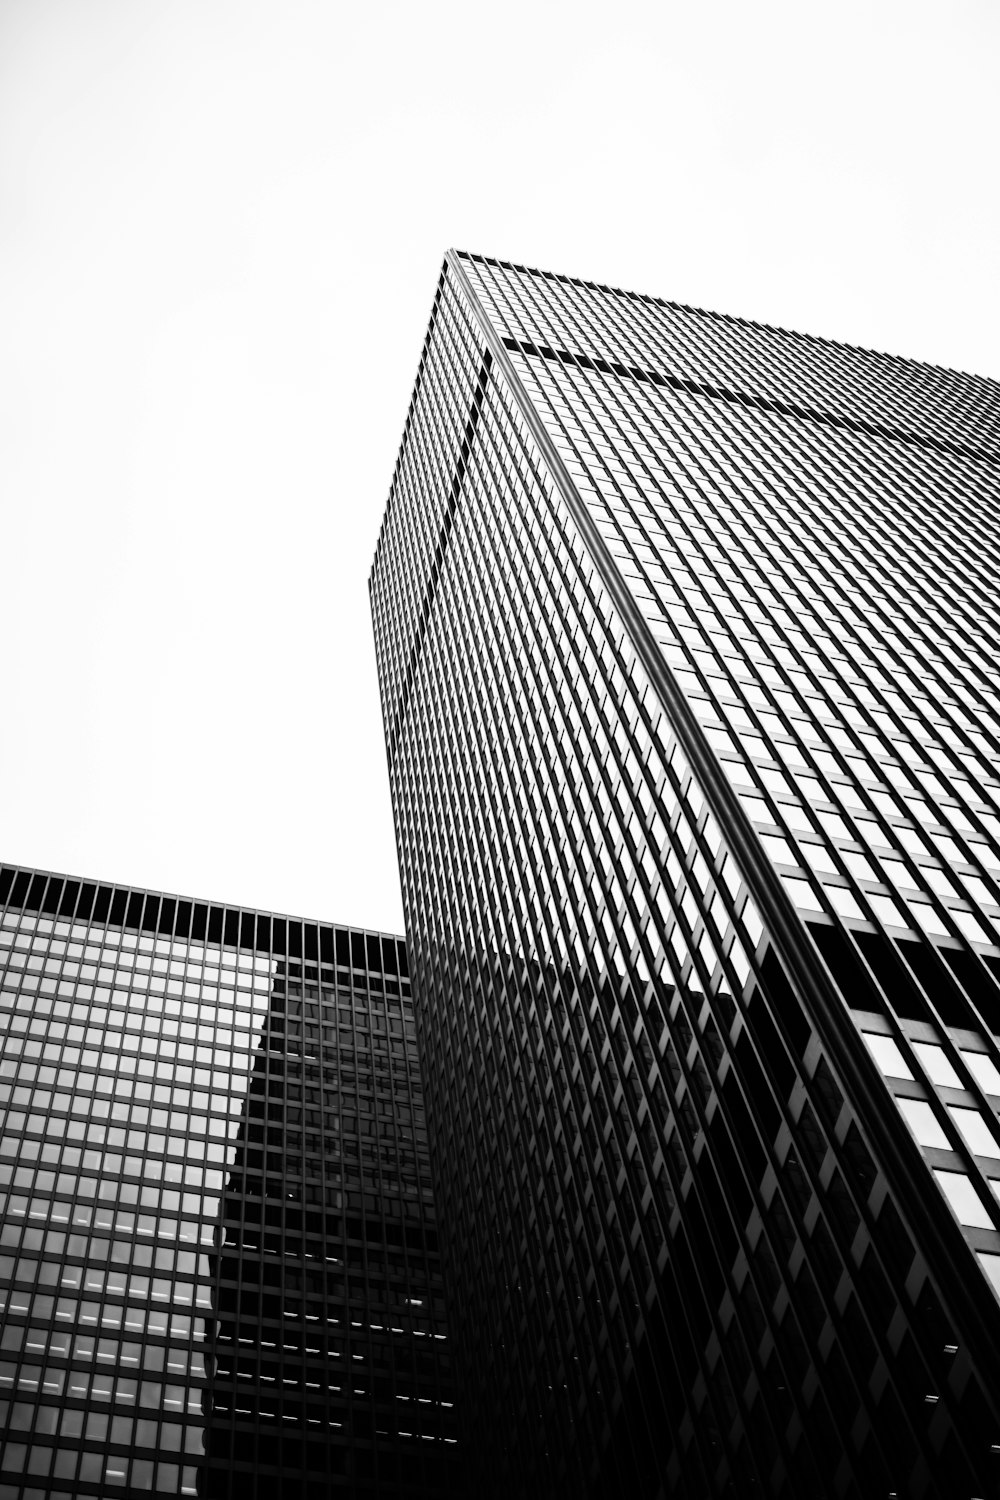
column 687, row 635
column 218, row 1262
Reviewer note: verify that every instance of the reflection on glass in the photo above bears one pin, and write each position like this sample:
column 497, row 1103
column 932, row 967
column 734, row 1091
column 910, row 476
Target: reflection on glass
column 983, row 1071
column 964, row 1199
column 939, row 1069
column 887, row 1055
column 122, row 1069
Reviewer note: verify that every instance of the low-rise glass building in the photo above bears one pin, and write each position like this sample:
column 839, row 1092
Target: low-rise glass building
column 218, row 1252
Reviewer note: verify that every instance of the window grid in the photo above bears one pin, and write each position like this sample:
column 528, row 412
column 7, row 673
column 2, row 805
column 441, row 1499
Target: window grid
column 218, row 1260
column 564, row 875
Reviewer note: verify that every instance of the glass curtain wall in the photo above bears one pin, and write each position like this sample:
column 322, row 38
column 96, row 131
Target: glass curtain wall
column 696, row 867
column 218, row 1269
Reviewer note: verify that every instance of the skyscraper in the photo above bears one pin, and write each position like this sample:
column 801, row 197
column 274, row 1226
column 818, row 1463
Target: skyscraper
column 687, row 636
column 218, row 1262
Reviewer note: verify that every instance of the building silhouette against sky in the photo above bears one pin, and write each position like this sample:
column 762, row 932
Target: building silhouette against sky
column 688, row 634
column 218, row 1260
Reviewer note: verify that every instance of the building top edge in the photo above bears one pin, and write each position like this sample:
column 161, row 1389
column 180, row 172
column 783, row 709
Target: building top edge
column 992, row 383
column 11, row 870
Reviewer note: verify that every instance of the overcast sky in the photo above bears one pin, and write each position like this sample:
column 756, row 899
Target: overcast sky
column 220, row 230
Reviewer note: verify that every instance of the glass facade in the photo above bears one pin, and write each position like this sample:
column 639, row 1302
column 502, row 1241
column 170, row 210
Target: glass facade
column 687, row 638
column 218, row 1261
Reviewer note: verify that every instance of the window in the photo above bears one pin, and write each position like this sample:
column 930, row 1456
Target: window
column 969, row 1207
column 939, row 1069
column 991, row 1266
column 983, row 1071
column 924, row 1124
column 975, row 1131
column 887, row 1055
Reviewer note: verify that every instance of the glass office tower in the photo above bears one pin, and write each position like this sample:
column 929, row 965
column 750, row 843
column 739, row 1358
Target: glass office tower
column 218, row 1262
column 687, row 633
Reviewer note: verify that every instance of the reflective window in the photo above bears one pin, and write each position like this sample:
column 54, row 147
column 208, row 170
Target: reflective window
column 991, row 1265
column 983, row 1071
column 939, row 1069
column 975, row 1131
column 924, row 1124
column 887, row 1055
column 964, row 1199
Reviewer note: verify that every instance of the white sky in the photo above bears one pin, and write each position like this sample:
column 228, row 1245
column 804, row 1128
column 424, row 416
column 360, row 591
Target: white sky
column 220, row 230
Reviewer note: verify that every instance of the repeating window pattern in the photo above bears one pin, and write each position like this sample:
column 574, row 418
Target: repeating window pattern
column 854, row 716
column 671, row 1215
column 218, row 1267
